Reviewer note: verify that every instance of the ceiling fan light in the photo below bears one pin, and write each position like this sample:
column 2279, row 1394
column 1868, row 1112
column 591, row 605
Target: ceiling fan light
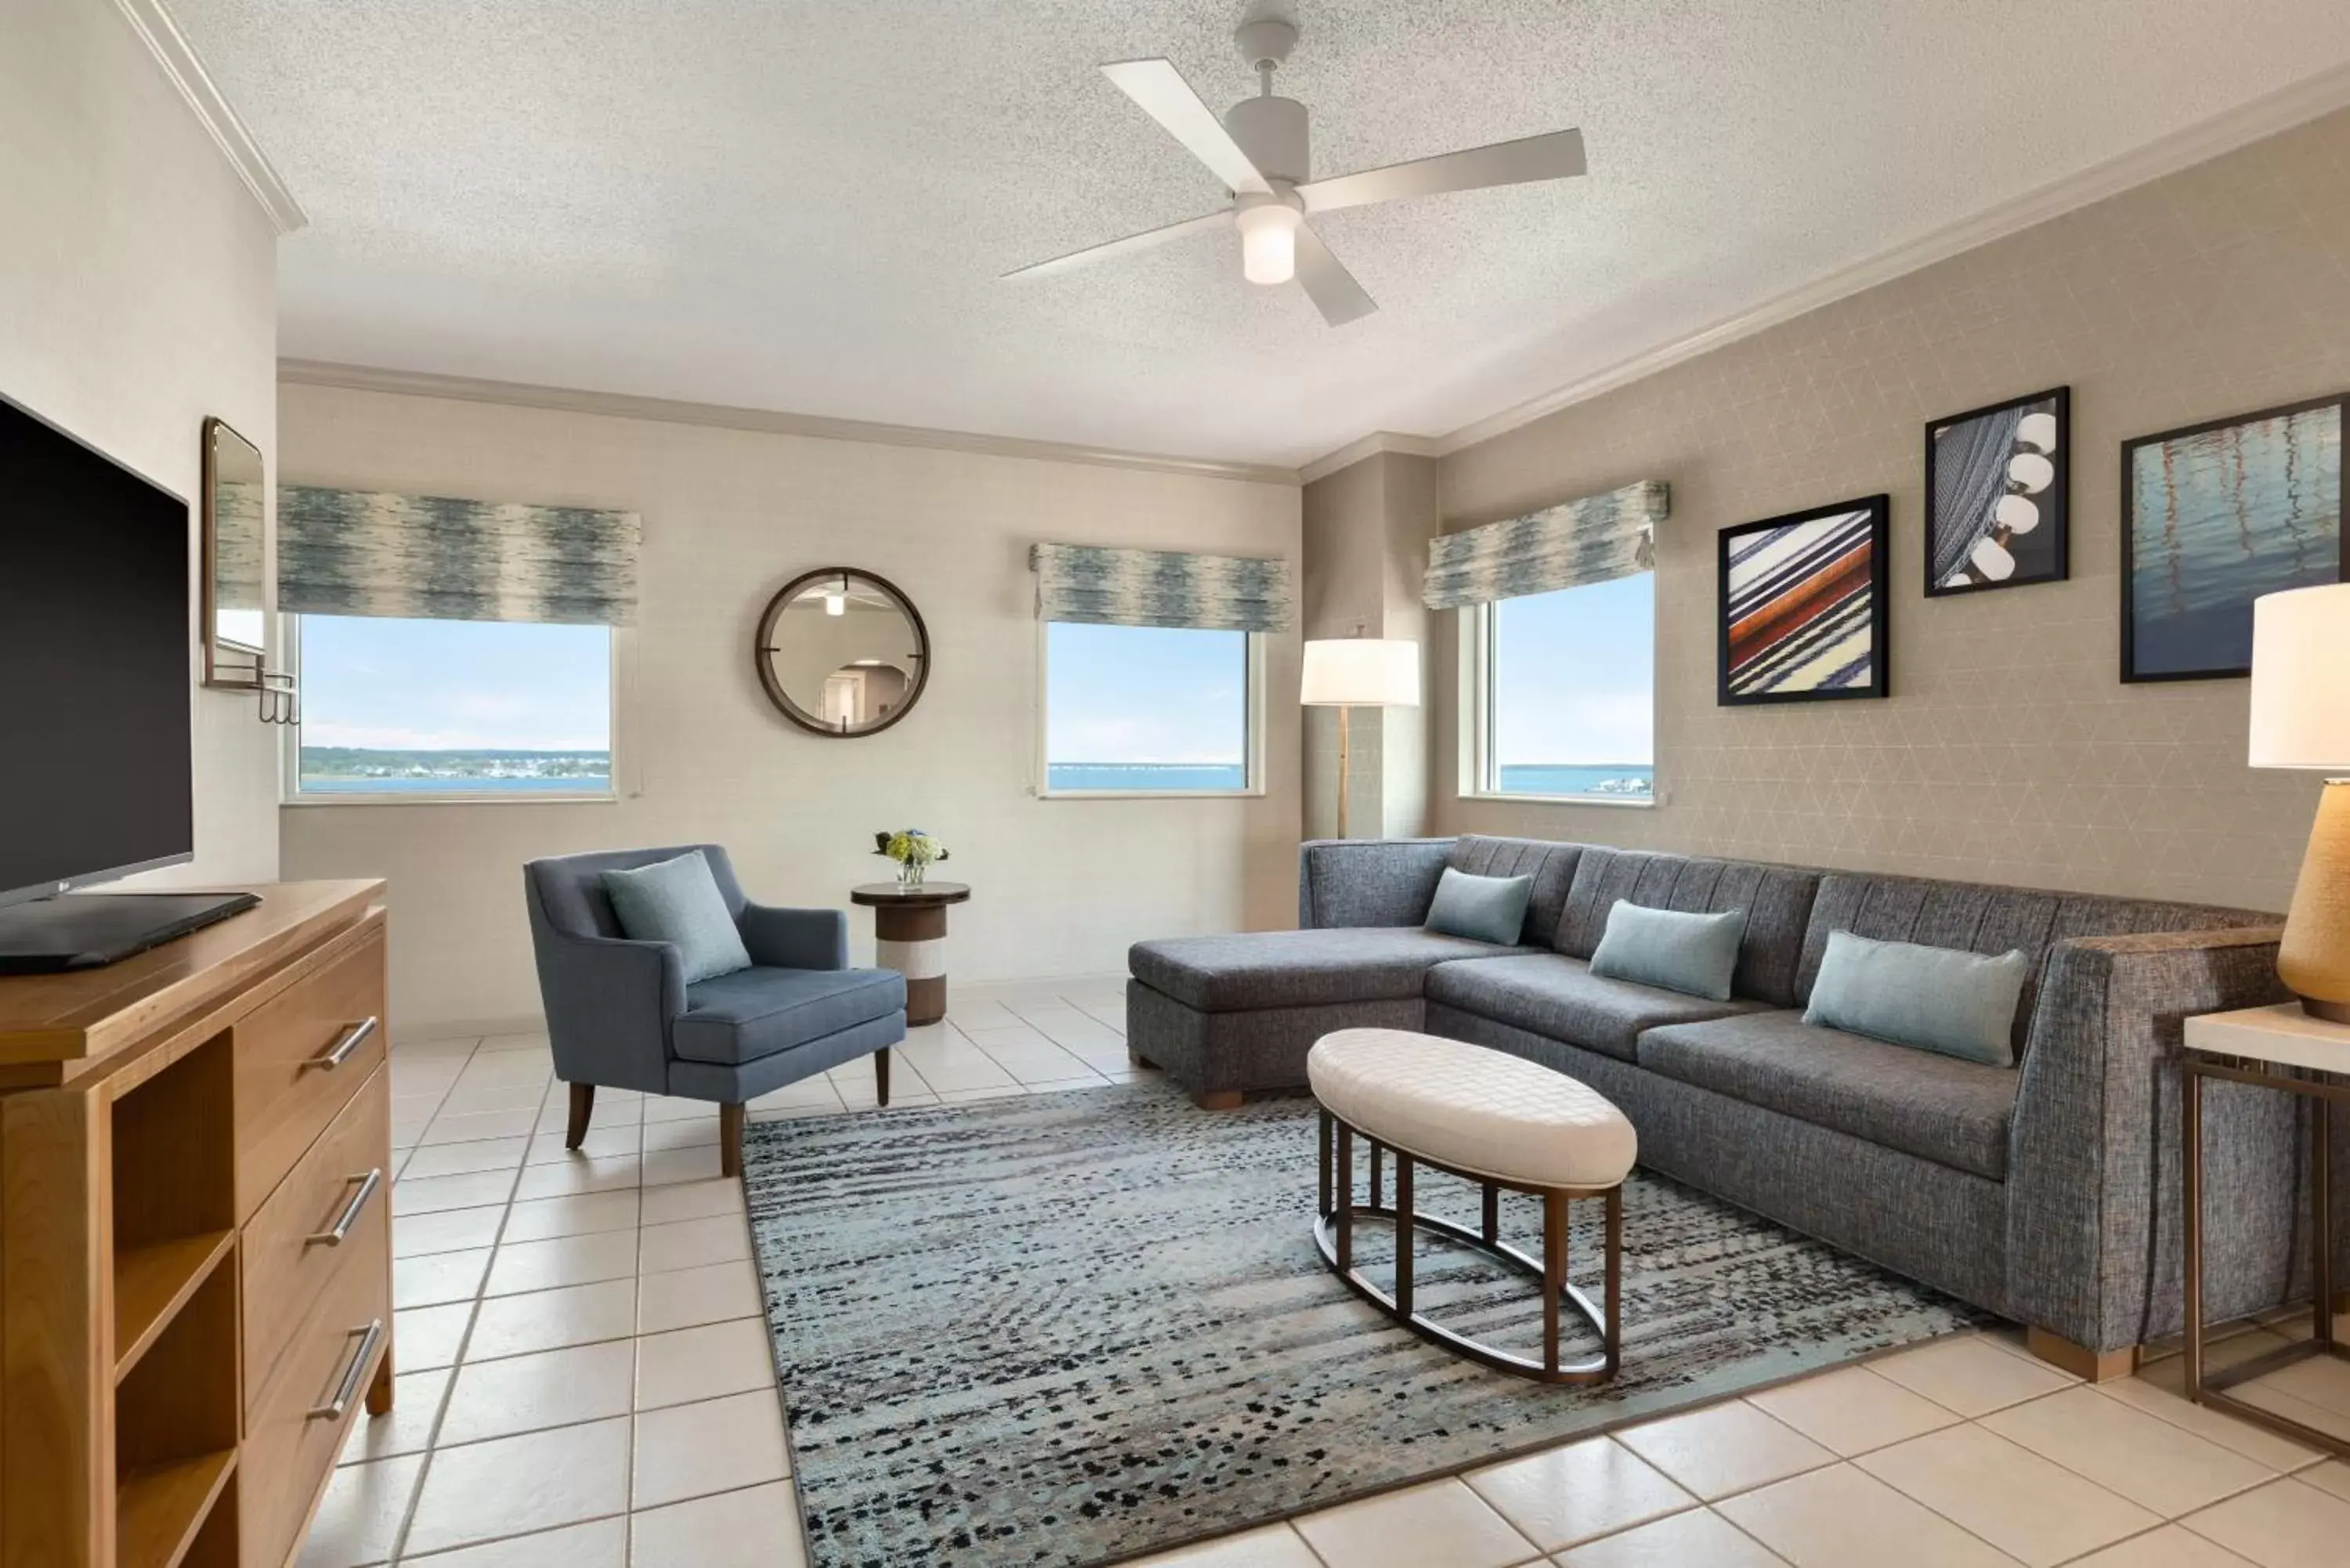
column 1269, row 243
column 836, row 604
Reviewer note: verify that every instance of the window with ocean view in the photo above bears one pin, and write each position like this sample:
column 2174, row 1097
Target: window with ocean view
column 1568, row 691
column 438, row 707
column 1145, row 709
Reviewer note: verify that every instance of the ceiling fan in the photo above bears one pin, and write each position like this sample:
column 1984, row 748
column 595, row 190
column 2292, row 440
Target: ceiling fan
column 1260, row 150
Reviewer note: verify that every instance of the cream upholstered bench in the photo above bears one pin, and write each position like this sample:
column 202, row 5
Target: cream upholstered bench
column 1488, row 1118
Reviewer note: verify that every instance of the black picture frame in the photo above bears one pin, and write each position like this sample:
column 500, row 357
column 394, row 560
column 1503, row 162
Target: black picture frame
column 2053, row 551
column 2236, row 521
column 1878, row 510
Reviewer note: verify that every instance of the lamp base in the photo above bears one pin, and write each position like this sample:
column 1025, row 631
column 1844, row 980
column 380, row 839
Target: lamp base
column 2314, row 954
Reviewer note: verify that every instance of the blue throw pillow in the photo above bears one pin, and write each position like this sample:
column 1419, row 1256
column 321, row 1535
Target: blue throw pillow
column 678, row 902
column 1693, row 954
column 1484, row 909
column 1935, row 998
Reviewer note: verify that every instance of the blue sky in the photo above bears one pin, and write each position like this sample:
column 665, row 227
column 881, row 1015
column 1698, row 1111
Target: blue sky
column 1145, row 695
column 455, row 685
column 1577, row 675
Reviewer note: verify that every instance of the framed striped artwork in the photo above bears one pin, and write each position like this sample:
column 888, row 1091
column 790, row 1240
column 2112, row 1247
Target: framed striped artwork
column 1803, row 606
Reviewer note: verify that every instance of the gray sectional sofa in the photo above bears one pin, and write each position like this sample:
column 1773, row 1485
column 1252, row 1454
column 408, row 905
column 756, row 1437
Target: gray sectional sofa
column 2047, row 1193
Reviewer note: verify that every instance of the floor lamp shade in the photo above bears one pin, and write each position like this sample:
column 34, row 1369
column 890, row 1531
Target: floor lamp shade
column 1361, row 672
column 2301, row 719
column 1347, row 672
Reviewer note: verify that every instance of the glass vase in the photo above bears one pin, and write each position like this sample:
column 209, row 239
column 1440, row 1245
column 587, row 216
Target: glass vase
column 910, row 874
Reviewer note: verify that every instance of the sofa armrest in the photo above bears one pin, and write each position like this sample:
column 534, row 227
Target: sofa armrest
column 609, row 1002
column 795, row 938
column 2094, row 1162
column 1368, row 881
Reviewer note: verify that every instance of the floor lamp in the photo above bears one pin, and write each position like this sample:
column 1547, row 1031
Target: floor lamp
column 1349, row 672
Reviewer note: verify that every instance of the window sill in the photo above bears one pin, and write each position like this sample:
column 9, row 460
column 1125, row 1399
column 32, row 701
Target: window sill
column 453, row 797
column 1150, row 794
column 1636, row 802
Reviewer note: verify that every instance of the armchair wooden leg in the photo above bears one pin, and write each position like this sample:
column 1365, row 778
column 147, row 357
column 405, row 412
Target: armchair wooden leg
column 730, row 1140
column 881, row 1075
column 583, row 1105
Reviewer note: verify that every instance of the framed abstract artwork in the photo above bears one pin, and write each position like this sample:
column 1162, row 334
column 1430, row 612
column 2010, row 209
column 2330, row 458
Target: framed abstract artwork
column 1997, row 495
column 1802, row 608
column 2215, row 515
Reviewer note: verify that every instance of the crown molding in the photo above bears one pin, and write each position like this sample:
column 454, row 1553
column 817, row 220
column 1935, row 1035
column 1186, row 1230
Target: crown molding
column 721, row 416
column 2225, row 132
column 1370, row 445
column 157, row 28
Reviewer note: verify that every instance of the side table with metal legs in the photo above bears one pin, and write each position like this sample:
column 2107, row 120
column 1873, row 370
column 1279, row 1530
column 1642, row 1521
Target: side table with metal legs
column 2276, row 1048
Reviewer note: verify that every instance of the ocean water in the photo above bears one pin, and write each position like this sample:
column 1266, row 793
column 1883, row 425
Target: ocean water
column 1145, row 776
column 454, row 785
column 1614, row 780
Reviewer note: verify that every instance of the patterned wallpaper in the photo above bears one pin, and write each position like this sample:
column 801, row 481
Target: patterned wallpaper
column 2009, row 750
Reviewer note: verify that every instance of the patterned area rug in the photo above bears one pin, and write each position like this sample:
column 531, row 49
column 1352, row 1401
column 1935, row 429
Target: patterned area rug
column 1070, row 1329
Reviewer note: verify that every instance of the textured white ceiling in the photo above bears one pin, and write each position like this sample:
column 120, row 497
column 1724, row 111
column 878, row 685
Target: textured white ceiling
column 802, row 207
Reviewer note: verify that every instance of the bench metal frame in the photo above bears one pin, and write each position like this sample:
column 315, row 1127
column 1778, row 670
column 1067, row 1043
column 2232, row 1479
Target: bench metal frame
column 1333, row 1234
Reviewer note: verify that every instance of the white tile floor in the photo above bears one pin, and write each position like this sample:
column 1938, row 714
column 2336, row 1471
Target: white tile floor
column 585, row 1382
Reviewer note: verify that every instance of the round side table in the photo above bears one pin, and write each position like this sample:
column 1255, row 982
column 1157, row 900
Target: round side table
column 909, row 925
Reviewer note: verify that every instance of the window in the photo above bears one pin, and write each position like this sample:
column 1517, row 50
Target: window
column 426, row 709
column 1149, row 709
column 1565, row 694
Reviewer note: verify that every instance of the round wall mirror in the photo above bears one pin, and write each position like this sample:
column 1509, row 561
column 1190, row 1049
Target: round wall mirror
column 842, row 652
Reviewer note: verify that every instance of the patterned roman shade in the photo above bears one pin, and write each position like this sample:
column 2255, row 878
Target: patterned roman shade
column 1588, row 541
column 1160, row 588
column 350, row 551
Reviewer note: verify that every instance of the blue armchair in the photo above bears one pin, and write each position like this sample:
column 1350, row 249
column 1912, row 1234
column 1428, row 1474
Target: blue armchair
column 619, row 1013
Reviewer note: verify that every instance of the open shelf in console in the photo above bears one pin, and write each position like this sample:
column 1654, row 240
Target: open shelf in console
column 175, row 1311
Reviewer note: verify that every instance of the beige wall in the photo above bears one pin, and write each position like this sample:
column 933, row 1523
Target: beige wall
column 1062, row 887
column 1367, row 529
column 138, row 294
column 2010, row 751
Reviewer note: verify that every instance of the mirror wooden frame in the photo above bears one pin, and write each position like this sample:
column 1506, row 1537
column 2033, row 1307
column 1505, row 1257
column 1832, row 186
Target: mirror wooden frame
column 762, row 645
column 220, row 671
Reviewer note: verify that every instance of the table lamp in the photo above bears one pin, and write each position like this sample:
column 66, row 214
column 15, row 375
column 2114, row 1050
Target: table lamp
column 2301, row 719
column 1348, row 672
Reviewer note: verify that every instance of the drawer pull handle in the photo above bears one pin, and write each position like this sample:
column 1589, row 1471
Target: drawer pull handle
column 340, row 1231
column 351, row 1040
column 346, row 1386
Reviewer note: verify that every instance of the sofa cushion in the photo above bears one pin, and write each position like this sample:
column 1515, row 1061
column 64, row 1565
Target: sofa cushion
column 1298, row 969
column 1930, row 999
column 1936, row 1107
column 1696, row 955
column 1551, row 994
column 1978, row 918
column 1552, row 865
column 1777, row 900
column 1490, row 908
column 754, row 1012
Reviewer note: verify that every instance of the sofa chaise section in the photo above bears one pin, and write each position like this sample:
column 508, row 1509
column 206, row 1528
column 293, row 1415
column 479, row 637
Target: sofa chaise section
column 1228, row 1016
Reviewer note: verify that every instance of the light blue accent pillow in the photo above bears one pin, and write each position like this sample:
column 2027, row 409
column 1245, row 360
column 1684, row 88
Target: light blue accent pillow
column 678, row 902
column 1935, row 998
column 1484, row 909
column 1693, row 954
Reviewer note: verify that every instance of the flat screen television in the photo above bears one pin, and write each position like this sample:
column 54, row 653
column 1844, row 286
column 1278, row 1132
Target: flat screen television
column 95, row 765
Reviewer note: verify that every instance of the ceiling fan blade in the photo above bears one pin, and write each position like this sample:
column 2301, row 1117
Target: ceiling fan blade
column 1555, row 156
column 1163, row 94
column 1327, row 283
column 1126, row 246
